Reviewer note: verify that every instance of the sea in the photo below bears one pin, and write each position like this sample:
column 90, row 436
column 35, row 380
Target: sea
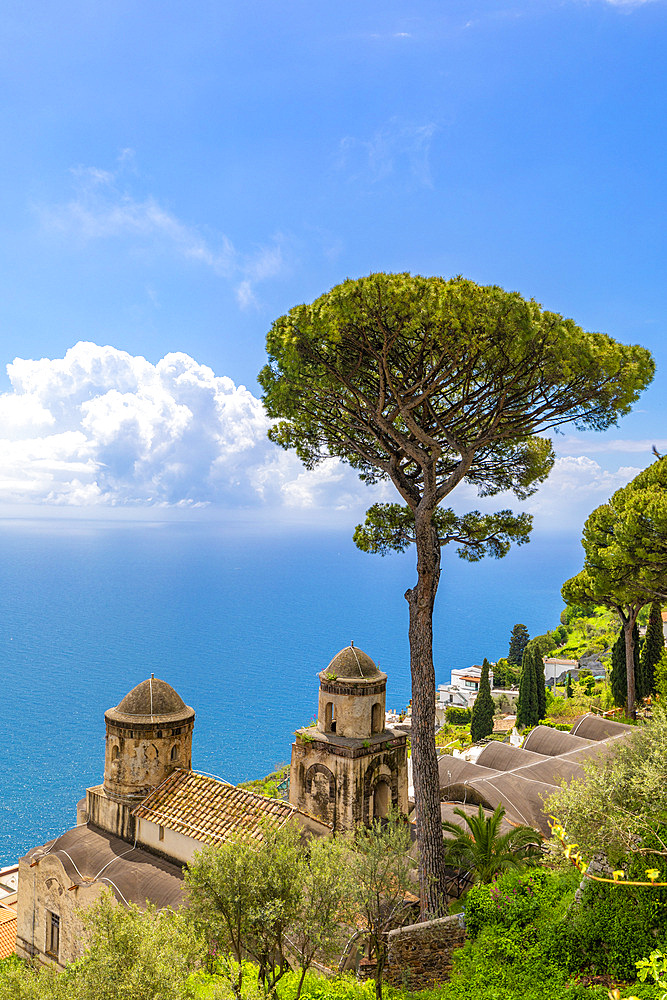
column 239, row 621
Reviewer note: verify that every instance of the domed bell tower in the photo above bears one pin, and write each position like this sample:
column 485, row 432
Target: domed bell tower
column 149, row 734
column 349, row 768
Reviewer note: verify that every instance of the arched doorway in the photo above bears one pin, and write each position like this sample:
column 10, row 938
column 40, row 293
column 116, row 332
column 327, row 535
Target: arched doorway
column 381, row 800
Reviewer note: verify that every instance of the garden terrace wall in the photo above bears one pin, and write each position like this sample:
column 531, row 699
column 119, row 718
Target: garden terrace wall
column 420, row 955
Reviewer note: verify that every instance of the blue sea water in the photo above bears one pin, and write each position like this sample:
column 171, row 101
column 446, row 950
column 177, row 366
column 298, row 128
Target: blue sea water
column 238, row 622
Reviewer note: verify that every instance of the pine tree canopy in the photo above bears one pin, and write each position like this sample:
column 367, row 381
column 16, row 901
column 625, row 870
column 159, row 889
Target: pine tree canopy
column 430, row 383
column 625, row 541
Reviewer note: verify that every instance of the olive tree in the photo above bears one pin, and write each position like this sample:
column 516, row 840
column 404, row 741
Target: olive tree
column 432, row 383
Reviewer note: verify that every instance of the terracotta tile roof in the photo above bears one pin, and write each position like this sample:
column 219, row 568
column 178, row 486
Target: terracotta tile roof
column 8, row 926
column 208, row 810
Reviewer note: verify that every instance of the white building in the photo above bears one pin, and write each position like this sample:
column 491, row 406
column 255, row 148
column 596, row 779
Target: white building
column 462, row 689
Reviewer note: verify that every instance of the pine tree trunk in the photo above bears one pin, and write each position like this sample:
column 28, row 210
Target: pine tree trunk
column 628, row 626
column 421, row 600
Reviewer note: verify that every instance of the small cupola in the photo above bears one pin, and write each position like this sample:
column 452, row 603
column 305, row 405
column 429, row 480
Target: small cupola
column 149, row 734
column 352, row 696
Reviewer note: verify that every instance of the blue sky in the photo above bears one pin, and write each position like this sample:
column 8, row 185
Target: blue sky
column 175, row 177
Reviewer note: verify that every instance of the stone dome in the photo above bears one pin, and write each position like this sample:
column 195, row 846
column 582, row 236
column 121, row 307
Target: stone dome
column 352, row 664
column 153, row 699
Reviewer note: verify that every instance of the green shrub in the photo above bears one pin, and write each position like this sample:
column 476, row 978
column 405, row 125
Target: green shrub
column 614, row 925
column 514, row 898
column 457, row 716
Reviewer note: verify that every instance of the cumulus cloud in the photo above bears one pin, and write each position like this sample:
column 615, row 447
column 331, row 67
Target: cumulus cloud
column 101, row 426
column 104, row 207
column 576, row 485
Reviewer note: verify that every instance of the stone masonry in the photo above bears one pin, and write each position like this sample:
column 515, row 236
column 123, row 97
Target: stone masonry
column 420, row 955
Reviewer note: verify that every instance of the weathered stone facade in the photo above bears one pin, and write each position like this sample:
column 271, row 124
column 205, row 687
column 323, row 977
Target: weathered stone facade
column 45, row 892
column 149, row 735
column 349, row 768
column 420, row 955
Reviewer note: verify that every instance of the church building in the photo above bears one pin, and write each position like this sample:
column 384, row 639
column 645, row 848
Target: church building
column 350, row 768
column 137, row 829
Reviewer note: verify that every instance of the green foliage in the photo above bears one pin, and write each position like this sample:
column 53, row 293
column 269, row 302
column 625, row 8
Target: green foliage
column 589, row 632
column 378, row 361
column 510, row 963
column 618, row 676
column 652, row 649
column 661, row 678
column 481, row 724
column 612, row 928
column 625, row 541
column 515, row 897
column 505, row 675
column 382, row 875
column 391, row 527
column 622, row 804
column 528, row 705
column 482, row 849
column 458, row 716
column 270, row 785
column 540, row 683
column 130, row 953
column 318, row 987
column 244, row 896
column 518, row 642
column 654, row 967
column 569, row 693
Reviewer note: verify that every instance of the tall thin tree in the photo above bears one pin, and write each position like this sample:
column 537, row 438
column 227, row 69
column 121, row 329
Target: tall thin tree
column 481, row 724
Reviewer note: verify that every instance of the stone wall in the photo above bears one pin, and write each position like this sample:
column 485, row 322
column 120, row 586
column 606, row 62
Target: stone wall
column 421, row 954
column 44, row 889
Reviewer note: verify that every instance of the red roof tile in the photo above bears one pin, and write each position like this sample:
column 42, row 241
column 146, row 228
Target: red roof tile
column 209, row 810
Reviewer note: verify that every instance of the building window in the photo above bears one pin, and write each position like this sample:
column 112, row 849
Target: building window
column 330, row 718
column 174, row 753
column 52, row 933
column 376, row 718
column 114, row 752
column 160, row 833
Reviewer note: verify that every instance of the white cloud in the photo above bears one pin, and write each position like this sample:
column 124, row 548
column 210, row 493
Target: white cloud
column 103, row 209
column 587, row 446
column 100, row 426
column 103, row 428
column 576, row 486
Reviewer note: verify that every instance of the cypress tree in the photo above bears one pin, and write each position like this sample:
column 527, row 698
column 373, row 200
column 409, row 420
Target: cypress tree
column 518, row 642
column 540, row 682
column 527, row 708
column 483, row 707
column 569, row 693
column 654, row 644
column 661, row 678
column 619, row 686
